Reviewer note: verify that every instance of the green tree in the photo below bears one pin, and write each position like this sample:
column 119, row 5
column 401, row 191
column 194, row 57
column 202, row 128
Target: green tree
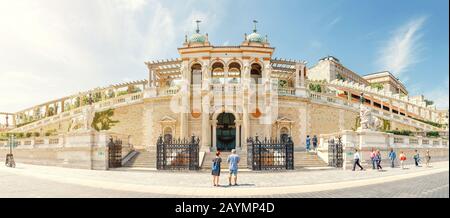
column 315, row 87
column 378, row 86
column 102, row 120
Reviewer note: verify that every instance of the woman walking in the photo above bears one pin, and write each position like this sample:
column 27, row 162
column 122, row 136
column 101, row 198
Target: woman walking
column 216, row 168
column 402, row 159
column 427, row 158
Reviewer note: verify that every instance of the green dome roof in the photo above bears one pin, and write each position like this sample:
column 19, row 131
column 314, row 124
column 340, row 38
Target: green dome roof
column 197, row 37
column 255, row 37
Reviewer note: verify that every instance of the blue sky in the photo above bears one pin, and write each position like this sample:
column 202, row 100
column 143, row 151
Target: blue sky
column 53, row 48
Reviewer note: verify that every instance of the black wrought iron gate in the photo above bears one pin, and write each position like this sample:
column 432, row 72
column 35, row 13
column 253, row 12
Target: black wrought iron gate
column 270, row 154
column 115, row 153
column 177, row 154
column 335, row 152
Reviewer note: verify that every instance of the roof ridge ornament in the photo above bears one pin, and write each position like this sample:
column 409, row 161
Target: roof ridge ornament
column 198, row 26
column 254, row 26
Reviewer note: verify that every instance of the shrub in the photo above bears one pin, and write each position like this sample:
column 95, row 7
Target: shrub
column 28, row 134
column 401, row 132
column 36, row 134
column 433, row 134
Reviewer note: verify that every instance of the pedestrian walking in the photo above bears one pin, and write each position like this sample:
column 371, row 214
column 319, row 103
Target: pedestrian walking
column 402, row 159
column 356, row 159
column 427, row 158
column 392, row 157
column 233, row 161
column 372, row 158
column 216, row 168
column 308, row 143
column 416, row 158
column 378, row 160
column 314, row 140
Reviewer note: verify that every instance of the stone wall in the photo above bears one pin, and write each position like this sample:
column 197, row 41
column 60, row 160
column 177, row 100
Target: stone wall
column 326, row 119
column 130, row 122
column 77, row 150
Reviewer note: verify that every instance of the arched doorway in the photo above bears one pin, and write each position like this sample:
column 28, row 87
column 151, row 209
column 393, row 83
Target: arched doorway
column 284, row 134
column 226, row 132
column 168, row 134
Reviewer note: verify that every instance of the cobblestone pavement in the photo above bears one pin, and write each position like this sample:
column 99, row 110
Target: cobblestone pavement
column 431, row 186
column 14, row 184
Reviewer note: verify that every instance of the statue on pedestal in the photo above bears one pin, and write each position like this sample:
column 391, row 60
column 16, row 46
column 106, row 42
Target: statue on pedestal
column 368, row 121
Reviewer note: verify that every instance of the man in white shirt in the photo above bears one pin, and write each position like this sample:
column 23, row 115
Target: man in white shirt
column 356, row 158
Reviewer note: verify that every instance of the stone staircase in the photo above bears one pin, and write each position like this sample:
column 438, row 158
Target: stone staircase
column 209, row 156
column 143, row 159
column 303, row 159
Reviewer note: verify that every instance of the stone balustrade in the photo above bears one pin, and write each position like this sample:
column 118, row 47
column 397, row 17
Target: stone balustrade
column 99, row 106
column 65, row 140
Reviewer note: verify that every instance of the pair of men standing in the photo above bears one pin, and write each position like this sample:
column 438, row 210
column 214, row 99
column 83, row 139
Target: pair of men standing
column 233, row 161
column 308, row 143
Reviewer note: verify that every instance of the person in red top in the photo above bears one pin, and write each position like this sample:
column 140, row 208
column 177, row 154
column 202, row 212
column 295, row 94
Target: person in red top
column 402, row 159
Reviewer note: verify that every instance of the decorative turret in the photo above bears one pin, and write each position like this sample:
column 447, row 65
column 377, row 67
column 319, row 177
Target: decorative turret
column 196, row 39
column 255, row 39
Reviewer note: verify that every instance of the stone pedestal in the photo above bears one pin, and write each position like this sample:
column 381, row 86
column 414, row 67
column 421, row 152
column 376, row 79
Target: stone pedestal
column 370, row 138
column 150, row 92
column 301, row 92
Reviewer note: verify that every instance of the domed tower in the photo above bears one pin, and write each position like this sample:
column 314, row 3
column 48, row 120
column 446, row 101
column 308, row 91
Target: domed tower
column 255, row 39
column 196, row 39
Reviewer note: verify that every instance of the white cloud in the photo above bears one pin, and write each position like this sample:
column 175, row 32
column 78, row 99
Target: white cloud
column 51, row 48
column 403, row 49
column 439, row 94
column 334, row 22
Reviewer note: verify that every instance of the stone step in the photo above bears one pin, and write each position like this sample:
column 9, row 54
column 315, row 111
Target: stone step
column 143, row 159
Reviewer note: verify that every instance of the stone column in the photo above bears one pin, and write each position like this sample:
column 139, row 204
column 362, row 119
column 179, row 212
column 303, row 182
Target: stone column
column 302, row 77
column 214, row 138
column 46, row 111
column 151, row 78
column 14, row 120
column 238, row 134
column 205, row 139
column 205, row 76
column 297, row 75
column 245, row 124
column 62, row 105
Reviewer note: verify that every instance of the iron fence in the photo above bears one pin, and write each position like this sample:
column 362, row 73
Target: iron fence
column 335, row 151
column 115, row 153
column 270, row 154
column 177, row 154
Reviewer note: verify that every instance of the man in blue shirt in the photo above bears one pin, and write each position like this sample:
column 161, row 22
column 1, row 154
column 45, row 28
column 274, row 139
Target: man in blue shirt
column 233, row 160
column 392, row 157
column 308, row 143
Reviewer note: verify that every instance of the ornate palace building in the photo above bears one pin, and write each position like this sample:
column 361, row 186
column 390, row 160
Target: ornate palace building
column 225, row 94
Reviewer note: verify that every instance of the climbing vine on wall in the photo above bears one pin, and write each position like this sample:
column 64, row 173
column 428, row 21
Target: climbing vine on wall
column 102, row 120
column 357, row 123
column 386, row 125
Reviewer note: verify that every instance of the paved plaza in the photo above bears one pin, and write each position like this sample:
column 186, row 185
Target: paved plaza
column 42, row 181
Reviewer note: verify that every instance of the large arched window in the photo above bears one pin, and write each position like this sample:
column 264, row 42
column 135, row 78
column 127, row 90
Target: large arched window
column 196, row 71
column 218, row 73
column 256, row 73
column 234, row 73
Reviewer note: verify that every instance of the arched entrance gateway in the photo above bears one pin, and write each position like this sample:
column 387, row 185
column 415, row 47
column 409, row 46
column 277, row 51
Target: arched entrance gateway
column 226, row 132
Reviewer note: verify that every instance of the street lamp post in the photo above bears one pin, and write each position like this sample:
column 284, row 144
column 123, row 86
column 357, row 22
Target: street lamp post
column 9, row 157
